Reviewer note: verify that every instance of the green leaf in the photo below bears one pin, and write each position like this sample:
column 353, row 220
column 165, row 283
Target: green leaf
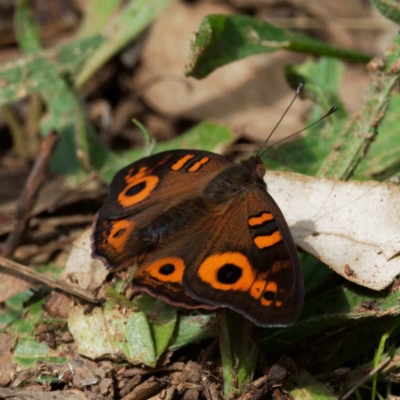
column 389, row 8
column 340, row 308
column 322, row 79
column 382, row 160
column 309, row 388
column 355, row 139
column 193, row 328
column 97, row 14
column 307, row 153
column 32, row 315
column 28, row 74
column 26, row 29
column 134, row 18
column 108, row 332
column 13, row 308
column 28, row 352
column 162, row 317
column 222, row 39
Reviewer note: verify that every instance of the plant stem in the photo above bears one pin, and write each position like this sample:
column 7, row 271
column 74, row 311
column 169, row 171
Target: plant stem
column 354, row 141
column 238, row 351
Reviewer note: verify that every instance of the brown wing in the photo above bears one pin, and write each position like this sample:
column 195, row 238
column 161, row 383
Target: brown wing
column 130, row 223
column 249, row 263
column 240, row 255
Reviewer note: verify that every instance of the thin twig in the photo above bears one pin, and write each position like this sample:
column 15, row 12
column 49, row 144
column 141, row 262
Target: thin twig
column 382, row 365
column 28, row 197
column 48, row 281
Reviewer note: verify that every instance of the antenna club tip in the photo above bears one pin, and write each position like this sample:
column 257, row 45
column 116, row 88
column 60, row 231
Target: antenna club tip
column 300, row 87
column 332, row 110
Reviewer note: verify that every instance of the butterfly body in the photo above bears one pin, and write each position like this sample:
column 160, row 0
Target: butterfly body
column 205, row 234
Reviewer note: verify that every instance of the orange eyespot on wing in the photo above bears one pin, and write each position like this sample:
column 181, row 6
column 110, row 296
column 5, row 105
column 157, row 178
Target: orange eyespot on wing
column 227, row 271
column 110, row 242
column 233, row 272
column 269, row 293
column 168, row 269
column 119, row 234
column 138, row 188
column 163, row 278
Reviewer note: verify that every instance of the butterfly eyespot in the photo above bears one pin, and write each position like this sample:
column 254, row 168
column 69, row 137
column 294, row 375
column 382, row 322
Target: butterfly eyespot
column 229, row 274
column 119, row 233
column 135, row 189
column 138, row 190
column 167, row 269
column 227, row 271
column 269, row 296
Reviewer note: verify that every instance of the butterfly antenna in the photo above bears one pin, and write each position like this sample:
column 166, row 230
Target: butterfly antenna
column 331, row 111
column 298, row 91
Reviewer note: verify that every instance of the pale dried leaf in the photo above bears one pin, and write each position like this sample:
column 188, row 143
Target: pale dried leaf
column 354, row 227
column 80, row 268
column 7, row 367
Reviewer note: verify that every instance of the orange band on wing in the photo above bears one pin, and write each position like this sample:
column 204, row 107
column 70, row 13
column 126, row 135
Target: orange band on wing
column 263, row 242
column 264, row 217
column 181, row 162
column 271, row 287
column 257, row 289
column 197, row 165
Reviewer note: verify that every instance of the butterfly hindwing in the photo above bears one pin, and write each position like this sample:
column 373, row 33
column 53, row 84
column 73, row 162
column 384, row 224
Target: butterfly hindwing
column 162, row 277
column 249, row 263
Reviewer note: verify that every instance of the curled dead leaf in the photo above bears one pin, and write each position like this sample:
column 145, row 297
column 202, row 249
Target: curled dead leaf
column 354, row 227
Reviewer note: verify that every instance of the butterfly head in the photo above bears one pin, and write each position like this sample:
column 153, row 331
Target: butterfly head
column 255, row 166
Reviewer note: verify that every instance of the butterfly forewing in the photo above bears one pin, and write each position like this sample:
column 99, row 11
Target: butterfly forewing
column 163, row 177
column 142, row 208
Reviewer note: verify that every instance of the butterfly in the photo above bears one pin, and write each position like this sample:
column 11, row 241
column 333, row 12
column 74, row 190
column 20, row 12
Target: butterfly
column 205, row 233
